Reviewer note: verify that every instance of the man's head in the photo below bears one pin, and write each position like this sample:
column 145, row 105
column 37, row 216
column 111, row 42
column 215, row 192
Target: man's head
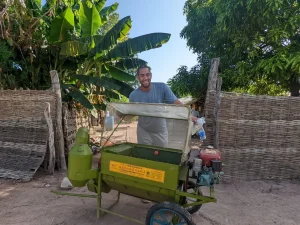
column 144, row 75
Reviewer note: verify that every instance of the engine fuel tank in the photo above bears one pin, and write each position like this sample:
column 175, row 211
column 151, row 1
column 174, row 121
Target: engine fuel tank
column 209, row 154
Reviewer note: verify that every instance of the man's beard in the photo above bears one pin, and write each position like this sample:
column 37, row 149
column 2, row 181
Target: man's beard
column 146, row 86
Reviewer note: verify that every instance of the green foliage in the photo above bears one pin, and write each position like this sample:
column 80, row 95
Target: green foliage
column 120, row 74
column 189, row 83
column 72, row 37
column 107, row 25
column 89, row 19
column 118, row 32
column 5, row 53
column 139, row 44
column 61, row 26
column 105, row 12
column 193, row 82
column 105, row 58
column 258, row 42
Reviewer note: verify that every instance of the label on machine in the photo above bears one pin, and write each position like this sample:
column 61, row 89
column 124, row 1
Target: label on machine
column 137, row 171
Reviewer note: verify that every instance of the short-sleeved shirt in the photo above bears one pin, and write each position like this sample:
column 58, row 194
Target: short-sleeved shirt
column 195, row 113
column 159, row 93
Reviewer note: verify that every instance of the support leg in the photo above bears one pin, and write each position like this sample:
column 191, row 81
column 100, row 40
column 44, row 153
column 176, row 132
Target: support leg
column 118, row 199
column 99, row 195
column 212, row 191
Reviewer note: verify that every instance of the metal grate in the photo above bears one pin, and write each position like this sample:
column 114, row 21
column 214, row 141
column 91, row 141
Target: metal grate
column 22, row 147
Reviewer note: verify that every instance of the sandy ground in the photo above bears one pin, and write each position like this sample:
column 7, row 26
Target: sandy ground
column 240, row 203
column 255, row 202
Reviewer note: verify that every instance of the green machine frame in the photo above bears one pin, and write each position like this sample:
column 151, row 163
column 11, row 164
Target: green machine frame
column 134, row 170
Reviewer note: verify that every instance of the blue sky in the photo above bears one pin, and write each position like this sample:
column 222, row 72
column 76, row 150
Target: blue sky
column 149, row 16
column 159, row 16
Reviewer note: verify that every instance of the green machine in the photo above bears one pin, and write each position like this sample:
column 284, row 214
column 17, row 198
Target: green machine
column 168, row 176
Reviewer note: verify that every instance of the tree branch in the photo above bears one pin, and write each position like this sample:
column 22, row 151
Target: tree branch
column 40, row 18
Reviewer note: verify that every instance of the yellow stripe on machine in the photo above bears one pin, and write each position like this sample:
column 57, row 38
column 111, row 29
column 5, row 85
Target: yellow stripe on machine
column 137, row 171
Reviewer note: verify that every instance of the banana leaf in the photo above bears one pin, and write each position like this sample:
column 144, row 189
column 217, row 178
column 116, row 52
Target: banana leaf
column 74, row 48
column 80, row 46
column 109, row 9
column 119, row 31
column 138, row 44
column 78, row 96
column 98, row 81
column 99, row 5
column 124, row 89
column 130, row 63
column 97, row 38
column 105, row 12
column 61, row 25
column 120, row 74
column 89, row 19
column 112, row 94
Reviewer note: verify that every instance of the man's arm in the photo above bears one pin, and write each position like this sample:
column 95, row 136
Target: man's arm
column 170, row 97
column 177, row 102
column 194, row 119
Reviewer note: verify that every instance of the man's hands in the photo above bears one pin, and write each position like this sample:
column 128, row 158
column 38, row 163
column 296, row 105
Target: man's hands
column 194, row 119
column 177, row 102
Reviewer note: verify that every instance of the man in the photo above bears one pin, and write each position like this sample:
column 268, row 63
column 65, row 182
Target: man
column 194, row 112
column 152, row 131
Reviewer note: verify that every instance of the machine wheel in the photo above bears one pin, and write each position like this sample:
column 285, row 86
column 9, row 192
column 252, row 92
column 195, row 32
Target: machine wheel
column 167, row 213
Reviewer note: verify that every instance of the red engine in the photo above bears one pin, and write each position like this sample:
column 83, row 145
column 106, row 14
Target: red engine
column 209, row 154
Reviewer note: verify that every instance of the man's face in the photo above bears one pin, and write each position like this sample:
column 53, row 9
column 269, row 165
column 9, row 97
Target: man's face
column 144, row 76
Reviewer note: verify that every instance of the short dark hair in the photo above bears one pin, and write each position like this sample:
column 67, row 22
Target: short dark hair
column 142, row 67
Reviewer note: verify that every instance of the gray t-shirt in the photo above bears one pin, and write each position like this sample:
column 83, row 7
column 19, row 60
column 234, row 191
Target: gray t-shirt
column 159, row 93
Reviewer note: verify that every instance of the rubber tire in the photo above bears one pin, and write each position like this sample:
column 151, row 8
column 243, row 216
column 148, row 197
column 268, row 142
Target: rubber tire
column 171, row 206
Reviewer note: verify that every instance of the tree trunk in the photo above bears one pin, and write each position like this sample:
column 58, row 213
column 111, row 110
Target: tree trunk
column 51, row 165
column 59, row 129
column 210, row 100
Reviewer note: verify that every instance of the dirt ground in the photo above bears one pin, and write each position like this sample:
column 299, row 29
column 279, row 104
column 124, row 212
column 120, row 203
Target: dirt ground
column 255, row 202
column 239, row 203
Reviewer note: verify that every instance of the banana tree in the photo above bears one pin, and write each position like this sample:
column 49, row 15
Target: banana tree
column 104, row 61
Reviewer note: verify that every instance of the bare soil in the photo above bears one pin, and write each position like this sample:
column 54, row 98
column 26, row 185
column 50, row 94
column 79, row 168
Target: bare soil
column 239, row 203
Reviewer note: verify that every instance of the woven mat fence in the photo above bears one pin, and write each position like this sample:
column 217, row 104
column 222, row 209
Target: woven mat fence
column 259, row 136
column 23, row 131
column 73, row 119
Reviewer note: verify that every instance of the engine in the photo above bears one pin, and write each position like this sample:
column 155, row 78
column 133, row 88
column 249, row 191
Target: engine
column 207, row 167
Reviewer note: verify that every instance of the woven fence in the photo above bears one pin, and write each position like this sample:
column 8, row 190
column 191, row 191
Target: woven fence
column 23, row 131
column 73, row 119
column 259, row 136
column 19, row 104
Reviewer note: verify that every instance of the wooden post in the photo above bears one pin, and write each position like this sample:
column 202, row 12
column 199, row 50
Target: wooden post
column 212, row 81
column 51, row 165
column 213, row 74
column 210, row 100
column 59, row 129
column 216, row 113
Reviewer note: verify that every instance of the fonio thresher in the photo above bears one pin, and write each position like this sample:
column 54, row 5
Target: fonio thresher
column 169, row 177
